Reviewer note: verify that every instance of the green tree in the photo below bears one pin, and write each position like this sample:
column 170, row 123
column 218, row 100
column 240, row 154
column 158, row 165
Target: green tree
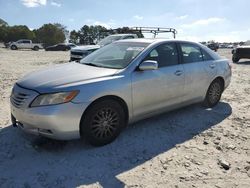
column 3, row 23
column 63, row 28
column 4, row 30
column 49, row 34
column 17, row 32
column 74, row 37
column 90, row 34
column 122, row 30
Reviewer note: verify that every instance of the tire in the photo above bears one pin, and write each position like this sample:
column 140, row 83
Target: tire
column 103, row 122
column 36, row 48
column 213, row 94
column 13, row 47
column 235, row 59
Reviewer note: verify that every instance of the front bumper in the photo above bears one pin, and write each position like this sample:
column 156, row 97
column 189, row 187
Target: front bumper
column 60, row 121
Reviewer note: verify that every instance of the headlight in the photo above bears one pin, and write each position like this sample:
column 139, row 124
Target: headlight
column 54, row 98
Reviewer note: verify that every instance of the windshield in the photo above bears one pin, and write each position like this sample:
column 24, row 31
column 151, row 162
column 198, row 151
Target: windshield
column 109, row 40
column 115, row 55
column 247, row 43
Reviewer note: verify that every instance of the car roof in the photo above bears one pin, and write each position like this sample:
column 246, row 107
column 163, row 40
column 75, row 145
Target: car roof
column 154, row 40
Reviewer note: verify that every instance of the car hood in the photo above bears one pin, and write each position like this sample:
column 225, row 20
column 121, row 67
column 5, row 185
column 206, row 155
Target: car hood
column 85, row 48
column 58, row 77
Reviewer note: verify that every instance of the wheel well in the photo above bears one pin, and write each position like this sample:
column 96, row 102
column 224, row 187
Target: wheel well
column 221, row 80
column 108, row 97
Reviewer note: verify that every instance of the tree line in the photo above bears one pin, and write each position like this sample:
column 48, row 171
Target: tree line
column 50, row 34
column 92, row 34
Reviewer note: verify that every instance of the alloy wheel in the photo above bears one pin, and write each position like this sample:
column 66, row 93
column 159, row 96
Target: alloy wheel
column 104, row 123
column 214, row 92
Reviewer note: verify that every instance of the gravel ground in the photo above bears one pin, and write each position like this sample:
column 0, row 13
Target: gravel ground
column 190, row 147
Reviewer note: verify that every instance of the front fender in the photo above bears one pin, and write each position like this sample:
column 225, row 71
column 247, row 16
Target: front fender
column 119, row 86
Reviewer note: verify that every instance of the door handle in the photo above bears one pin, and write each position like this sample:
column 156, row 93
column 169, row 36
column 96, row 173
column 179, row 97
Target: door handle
column 212, row 66
column 178, row 73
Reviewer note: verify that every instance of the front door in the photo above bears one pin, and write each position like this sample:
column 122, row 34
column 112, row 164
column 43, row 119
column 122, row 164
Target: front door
column 158, row 89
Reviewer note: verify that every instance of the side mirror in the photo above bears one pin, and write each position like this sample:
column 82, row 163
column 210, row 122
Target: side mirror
column 148, row 65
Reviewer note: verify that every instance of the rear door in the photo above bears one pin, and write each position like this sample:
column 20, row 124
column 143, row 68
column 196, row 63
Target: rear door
column 158, row 89
column 198, row 72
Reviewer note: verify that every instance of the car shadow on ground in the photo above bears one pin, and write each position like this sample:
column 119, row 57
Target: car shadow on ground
column 243, row 62
column 39, row 162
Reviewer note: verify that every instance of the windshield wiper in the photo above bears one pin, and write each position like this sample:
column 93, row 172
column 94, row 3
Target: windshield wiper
column 91, row 64
column 94, row 65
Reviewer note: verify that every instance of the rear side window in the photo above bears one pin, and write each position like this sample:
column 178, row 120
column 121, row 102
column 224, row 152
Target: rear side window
column 129, row 37
column 191, row 53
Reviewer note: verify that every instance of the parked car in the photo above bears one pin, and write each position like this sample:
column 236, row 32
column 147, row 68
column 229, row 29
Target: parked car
column 213, row 46
column 25, row 44
column 71, row 45
column 241, row 52
column 80, row 52
column 230, row 46
column 118, row 84
column 58, row 47
column 7, row 44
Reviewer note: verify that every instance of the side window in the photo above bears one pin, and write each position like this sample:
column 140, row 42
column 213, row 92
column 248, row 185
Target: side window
column 191, row 53
column 20, row 42
column 206, row 56
column 165, row 55
column 129, row 37
column 26, row 41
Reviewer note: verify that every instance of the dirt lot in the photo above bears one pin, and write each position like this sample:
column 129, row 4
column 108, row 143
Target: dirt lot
column 191, row 147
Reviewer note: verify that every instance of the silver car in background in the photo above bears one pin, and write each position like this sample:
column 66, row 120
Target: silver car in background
column 76, row 54
column 118, row 84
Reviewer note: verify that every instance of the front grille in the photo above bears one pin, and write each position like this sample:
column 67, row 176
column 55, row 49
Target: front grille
column 21, row 97
column 18, row 99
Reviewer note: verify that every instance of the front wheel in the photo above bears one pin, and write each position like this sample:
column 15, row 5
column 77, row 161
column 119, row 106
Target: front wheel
column 13, row 47
column 235, row 59
column 103, row 122
column 214, row 93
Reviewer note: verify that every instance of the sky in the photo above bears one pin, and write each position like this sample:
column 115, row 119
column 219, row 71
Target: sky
column 196, row 20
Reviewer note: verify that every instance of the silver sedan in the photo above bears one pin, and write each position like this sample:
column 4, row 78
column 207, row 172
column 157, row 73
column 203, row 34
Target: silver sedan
column 118, row 84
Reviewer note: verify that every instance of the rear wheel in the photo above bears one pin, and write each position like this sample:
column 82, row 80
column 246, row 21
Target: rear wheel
column 214, row 93
column 103, row 122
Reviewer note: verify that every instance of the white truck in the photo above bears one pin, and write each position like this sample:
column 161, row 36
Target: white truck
column 77, row 53
column 25, row 44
